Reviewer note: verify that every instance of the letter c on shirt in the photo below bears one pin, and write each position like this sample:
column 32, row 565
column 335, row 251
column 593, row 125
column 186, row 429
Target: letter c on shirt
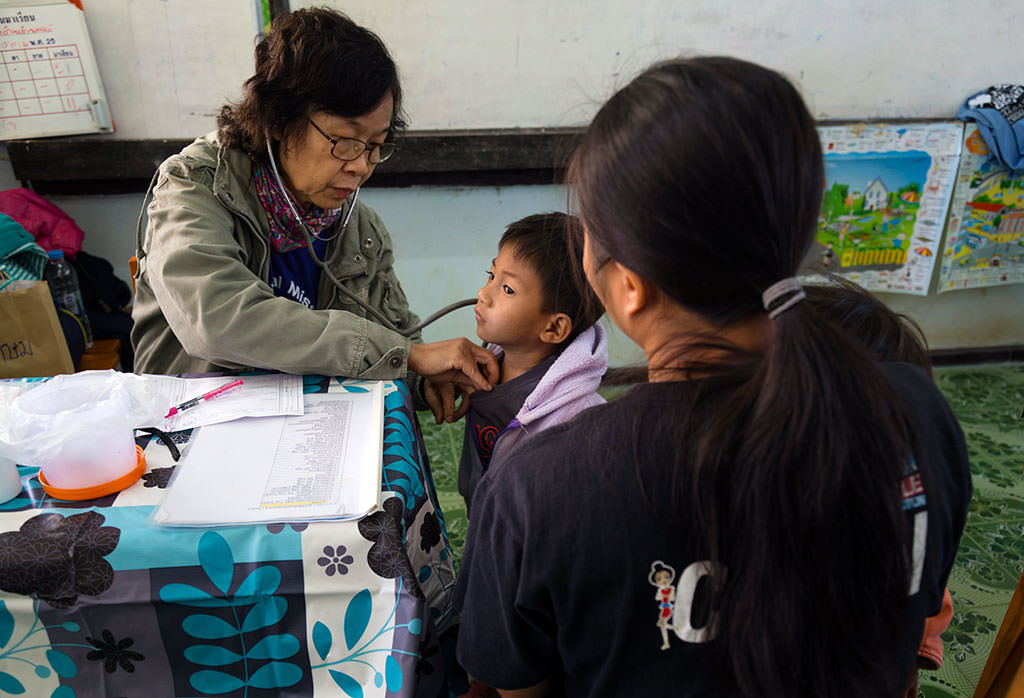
column 685, row 591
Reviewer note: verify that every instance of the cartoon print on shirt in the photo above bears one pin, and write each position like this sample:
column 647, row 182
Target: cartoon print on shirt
column 676, row 603
column 662, row 576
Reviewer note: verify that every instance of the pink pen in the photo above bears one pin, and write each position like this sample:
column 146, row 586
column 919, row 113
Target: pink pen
column 217, row 392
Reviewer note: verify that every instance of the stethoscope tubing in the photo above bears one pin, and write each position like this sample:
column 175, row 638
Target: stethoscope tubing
column 377, row 315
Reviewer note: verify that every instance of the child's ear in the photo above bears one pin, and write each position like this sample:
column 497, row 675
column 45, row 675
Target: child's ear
column 559, row 327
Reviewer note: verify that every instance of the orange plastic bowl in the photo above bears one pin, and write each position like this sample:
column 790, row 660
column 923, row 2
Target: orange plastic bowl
column 101, row 490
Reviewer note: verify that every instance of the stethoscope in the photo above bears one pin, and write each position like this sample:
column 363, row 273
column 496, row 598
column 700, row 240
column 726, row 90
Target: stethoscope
column 380, row 317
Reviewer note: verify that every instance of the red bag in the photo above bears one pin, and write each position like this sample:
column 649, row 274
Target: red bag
column 51, row 227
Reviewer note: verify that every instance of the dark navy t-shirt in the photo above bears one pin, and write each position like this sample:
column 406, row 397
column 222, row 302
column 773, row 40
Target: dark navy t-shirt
column 577, row 564
column 294, row 274
column 490, row 414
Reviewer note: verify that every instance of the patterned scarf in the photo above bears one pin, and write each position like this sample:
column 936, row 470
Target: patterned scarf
column 285, row 233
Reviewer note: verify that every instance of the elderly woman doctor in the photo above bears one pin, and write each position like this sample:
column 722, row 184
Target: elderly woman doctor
column 257, row 252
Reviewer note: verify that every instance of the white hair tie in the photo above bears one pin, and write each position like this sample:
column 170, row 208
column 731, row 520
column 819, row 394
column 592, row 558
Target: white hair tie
column 780, row 289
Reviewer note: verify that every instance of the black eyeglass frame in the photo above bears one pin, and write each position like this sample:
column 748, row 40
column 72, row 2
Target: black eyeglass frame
column 374, row 151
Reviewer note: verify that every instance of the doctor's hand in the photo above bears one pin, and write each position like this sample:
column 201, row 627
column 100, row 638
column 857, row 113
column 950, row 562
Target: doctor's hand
column 441, row 399
column 457, row 361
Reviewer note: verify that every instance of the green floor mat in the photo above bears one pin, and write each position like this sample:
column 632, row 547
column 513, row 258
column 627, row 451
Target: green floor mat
column 988, row 400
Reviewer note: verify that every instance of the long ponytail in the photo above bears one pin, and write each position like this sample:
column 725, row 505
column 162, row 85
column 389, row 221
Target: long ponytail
column 808, row 451
column 705, row 177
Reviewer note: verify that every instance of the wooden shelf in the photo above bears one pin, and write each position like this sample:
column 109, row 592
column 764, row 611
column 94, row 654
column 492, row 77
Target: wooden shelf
column 104, row 165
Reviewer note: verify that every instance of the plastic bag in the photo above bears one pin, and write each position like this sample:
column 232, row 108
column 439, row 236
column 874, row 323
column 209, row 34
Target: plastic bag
column 78, row 428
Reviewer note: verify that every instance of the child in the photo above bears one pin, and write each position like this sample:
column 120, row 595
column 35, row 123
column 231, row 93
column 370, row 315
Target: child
column 889, row 336
column 539, row 318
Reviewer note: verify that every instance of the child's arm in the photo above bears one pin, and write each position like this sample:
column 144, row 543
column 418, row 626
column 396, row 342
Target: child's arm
column 929, row 656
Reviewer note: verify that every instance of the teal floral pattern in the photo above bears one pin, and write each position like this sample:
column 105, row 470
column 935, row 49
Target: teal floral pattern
column 359, row 644
column 26, row 650
column 237, row 640
column 94, row 598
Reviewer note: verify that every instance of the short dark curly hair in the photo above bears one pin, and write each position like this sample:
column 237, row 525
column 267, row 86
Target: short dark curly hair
column 552, row 245
column 313, row 59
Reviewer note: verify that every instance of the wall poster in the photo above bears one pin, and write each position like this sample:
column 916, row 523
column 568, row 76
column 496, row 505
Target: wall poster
column 887, row 193
column 985, row 234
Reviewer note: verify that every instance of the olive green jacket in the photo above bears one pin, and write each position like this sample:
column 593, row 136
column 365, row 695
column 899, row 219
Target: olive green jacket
column 202, row 298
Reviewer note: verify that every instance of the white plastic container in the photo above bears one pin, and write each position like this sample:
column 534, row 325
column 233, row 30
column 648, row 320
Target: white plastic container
column 88, row 418
column 10, row 482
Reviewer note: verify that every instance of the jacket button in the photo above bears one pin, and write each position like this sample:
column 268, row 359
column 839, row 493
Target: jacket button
column 357, row 258
column 368, row 243
column 395, row 361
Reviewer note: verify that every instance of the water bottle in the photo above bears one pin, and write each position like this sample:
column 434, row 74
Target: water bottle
column 64, row 287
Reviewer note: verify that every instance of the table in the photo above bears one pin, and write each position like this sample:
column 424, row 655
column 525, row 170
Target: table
column 95, row 600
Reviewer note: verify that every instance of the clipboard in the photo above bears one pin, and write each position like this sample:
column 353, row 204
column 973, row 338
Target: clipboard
column 50, row 84
column 324, row 464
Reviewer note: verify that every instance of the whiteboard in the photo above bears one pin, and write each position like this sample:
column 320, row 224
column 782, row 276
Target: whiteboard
column 49, row 81
column 169, row 65
column 538, row 63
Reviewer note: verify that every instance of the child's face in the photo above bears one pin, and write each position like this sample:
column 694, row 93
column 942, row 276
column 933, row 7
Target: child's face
column 508, row 306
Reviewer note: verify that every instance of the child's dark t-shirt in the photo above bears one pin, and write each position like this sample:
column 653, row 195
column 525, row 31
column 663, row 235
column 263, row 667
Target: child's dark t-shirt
column 490, row 412
column 557, row 574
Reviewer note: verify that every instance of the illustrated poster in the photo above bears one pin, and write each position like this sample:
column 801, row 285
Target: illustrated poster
column 985, row 234
column 887, row 193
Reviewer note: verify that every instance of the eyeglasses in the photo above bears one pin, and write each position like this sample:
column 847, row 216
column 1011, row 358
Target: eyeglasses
column 349, row 149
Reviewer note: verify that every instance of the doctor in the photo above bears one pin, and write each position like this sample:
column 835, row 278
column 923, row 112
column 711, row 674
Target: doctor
column 257, row 253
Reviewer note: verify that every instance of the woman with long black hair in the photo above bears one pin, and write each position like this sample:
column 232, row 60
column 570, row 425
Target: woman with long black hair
column 803, row 501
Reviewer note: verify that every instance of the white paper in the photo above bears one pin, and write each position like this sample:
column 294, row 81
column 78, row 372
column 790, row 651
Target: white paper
column 260, row 396
column 323, row 464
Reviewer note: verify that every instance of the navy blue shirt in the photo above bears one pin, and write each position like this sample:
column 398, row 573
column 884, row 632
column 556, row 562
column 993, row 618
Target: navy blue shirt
column 564, row 571
column 294, row 275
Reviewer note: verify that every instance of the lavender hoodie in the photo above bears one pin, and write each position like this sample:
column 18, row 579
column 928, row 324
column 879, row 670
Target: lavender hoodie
column 568, row 388
column 565, row 390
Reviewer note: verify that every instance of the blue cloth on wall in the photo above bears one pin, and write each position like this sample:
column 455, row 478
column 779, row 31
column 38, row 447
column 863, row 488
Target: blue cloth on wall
column 999, row 113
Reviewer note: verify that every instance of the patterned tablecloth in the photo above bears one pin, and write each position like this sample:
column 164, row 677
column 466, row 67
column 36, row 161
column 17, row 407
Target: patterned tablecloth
column 96, row 600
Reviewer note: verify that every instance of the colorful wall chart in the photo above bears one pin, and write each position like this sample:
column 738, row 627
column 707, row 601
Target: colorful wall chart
column 985, row 234
column 887, row 192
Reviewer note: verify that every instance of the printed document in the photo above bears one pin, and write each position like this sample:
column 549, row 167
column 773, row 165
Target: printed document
column 259, row 396
column 324, row 464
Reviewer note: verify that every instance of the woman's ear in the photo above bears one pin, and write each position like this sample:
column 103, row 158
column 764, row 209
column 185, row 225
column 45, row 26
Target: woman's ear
column 557, row 330
column 635, row 293
column 624, row 294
